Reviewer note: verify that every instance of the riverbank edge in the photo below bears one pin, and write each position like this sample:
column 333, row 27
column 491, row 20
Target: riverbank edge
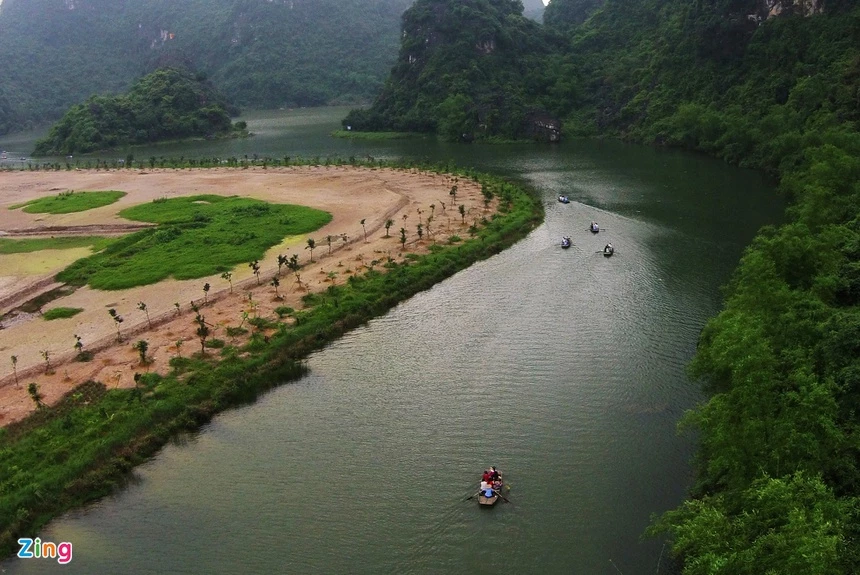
column 112, row 434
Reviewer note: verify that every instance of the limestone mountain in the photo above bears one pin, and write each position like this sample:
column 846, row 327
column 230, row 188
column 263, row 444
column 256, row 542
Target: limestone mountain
column 466, row 69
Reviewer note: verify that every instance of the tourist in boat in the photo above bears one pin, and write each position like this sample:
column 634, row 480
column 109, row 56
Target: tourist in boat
column 594, row 227
column 494, row 473
column 487, row 477
column 486, row 489
column 565, row 242
column 608, row 249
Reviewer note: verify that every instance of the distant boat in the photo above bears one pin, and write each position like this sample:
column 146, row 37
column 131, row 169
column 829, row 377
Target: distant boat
column 594, row 227
column 608, row 250
column 565, row 242
column 564, row 199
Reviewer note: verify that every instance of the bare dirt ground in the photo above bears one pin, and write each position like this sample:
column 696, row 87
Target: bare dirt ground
column 349, row 194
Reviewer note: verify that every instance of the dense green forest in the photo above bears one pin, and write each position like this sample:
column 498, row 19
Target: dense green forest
column 168, row 104
column 769, row 85
column 259, row 53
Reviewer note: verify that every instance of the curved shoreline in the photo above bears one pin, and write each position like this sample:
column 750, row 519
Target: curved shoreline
column 123, row 427
column 351, row 194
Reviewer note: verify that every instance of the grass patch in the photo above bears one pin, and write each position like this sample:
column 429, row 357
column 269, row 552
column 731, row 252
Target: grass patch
column 236, row 331
column 354, row 135
column 283, row 310
column 71, row 201
column 61, row 313
column 197, row 236
column 9, row 246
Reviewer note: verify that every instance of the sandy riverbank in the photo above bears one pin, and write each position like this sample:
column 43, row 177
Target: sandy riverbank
column 350, row 194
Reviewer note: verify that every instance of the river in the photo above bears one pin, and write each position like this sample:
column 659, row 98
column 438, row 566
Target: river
column 563, row 368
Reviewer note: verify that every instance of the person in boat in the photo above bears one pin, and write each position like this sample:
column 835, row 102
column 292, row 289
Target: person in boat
column 487, row 477
column 494, row 473
column 608, row 249
column 565, row 241
column 486, row 489
column 595, row 227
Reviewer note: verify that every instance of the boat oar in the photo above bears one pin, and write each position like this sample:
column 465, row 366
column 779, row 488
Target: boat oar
column 499, row 493
column 472, row 496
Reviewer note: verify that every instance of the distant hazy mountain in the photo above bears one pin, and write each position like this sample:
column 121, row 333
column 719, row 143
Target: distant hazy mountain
column 259, row 53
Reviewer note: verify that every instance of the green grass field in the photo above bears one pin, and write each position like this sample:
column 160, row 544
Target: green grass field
column 97, row 243
column 197, row 236
column 68, row 202
column 61, row 313
column 354, row 135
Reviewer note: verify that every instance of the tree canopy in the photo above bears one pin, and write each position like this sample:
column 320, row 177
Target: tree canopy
column 168, row 104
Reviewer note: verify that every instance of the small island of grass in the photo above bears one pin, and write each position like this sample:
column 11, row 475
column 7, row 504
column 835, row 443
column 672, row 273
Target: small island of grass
column 69, row 202
column 61, row 313
column 167, row 105
column 359, row 135
column 24, row 246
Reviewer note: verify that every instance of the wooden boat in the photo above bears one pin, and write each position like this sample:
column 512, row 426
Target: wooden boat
column 496, row 494
column 564, row 199
column 565, row 242
column 608, row 251
column 594, row 228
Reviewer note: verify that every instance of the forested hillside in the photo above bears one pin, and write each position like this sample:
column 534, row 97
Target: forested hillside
column 168, row 104
column 259, row 53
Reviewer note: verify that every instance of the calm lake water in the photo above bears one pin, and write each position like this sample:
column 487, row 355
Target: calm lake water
column 563, row 368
